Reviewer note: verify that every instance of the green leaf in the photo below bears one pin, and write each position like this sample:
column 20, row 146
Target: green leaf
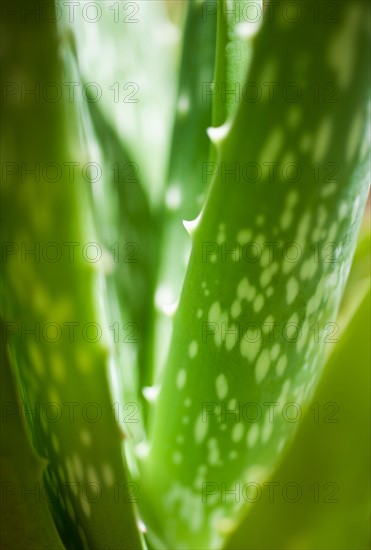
column 184, row 194
column 128, row 229
column 217, row 360
column 334, row 496
column 126, row 33
column 63, row 375
column 237, row 25
column 359, row 276
column 126, row 233
column 25, row 517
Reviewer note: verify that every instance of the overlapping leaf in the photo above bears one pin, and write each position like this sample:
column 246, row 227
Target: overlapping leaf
column 270, row 257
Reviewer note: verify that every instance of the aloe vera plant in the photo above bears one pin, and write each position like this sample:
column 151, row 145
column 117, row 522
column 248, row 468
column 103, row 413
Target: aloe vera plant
column 175, row 256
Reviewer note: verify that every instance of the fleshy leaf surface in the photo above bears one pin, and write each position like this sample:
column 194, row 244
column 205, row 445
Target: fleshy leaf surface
column 22, row 488
column 184, row 194
column 53, row 319
column 270, row 257
column 129, row 89
column 328, row 496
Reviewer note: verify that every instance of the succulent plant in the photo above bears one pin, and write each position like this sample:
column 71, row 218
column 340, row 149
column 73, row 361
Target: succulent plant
column 182, row 200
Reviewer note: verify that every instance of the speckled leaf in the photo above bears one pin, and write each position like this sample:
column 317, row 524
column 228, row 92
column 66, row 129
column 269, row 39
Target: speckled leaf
column 238, row 22
column 218, row 362
column 25, row 517
column 334, row 497
column 62, row 367
column 184, row 194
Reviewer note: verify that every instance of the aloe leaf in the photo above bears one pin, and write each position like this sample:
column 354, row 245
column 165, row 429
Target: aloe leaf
column 138, row 30
column 126, row 234
column 127, row 231
column 184, row 194
column 21, row 473
column 334, row 497
column 49, row 306
column 122, row 207
column 202, row 85
column 216, row 360
column 237, row 24
column 359, row 277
